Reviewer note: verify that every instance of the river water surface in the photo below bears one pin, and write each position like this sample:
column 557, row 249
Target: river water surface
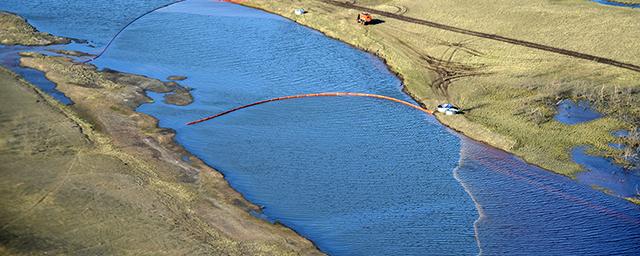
column 356, row 176
column 617, row 3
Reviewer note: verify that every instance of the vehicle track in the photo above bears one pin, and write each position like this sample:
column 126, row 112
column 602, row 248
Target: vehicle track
column 499, row 38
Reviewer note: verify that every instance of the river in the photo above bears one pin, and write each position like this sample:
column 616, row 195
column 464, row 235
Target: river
column 617, row 3
column 356, row 176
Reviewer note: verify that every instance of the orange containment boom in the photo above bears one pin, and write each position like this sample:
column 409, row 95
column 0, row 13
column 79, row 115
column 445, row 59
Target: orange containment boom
column 325, row 94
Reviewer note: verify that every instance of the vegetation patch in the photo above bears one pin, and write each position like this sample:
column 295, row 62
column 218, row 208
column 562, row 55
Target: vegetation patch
column 15, row 30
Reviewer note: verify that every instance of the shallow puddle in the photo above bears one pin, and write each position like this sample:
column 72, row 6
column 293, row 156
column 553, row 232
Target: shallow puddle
column 572, row 113
column 604, row 174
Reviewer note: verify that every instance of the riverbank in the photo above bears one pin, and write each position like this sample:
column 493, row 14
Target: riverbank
column 509, row 93
column 109, row 174
column 96, row 177
column 15, row 30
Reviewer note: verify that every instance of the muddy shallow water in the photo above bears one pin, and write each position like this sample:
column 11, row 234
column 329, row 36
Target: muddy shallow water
column 356, row 176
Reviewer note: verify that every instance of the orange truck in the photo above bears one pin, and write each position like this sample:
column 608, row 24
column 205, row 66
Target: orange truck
column 364, row 18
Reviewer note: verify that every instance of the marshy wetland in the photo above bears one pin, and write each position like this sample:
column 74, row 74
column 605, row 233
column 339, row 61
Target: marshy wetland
column 354, row 176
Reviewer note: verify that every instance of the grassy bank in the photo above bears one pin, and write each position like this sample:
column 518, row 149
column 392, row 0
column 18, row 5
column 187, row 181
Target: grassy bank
column 15, row 30
column 509, row 92
column 98, row 178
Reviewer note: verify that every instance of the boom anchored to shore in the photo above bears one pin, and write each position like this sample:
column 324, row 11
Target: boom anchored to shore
column 325, row 94
column 126, row 26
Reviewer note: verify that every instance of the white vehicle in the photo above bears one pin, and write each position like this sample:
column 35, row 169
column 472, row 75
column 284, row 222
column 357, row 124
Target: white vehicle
column 299, row 11
column 449, row 109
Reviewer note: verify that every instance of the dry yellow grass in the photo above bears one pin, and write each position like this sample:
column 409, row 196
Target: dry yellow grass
column 14, row 30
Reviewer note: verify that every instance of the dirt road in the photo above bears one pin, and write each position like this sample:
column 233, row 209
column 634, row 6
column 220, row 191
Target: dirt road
column 499, row 38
